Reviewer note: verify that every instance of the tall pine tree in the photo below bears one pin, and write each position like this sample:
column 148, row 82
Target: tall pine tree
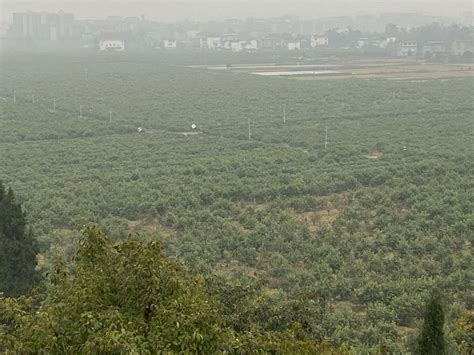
column 431, row 341
column 18, row 248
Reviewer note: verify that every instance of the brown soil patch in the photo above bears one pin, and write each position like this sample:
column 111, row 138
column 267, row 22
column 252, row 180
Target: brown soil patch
column 347, row 306
column 149, row 226
column 229, row 269
column 404, row 332
column 315, row 220
column 401, row 72
column 394, row 69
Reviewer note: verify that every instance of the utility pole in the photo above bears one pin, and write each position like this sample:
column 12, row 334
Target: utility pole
column 220, row 125
column 110, row 116
column 33, row 98
column 326, row 140
column 80, row 111
column 54, row 105
column 284, row 114
column 14, row 96
column 250, row 135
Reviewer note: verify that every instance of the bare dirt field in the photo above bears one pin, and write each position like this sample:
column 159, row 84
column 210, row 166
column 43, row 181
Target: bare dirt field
column 400, row 71
column 384, row 68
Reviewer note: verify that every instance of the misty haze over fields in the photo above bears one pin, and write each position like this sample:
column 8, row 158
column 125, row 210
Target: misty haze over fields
column 236, row 177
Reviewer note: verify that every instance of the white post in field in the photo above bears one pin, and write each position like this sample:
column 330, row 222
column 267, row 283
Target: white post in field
column 326, row 140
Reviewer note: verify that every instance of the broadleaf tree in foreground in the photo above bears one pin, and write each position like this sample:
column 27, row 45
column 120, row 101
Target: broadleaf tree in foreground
column 129, row 298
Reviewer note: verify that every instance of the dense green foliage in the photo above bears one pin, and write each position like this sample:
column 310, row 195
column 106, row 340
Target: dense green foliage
column 18, row 248
column 432, row 334
column 464, row 333
column 127, row 298
column 364, row 240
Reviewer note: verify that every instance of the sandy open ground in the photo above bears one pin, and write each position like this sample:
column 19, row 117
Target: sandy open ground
column 385, row 68
column 401, row 71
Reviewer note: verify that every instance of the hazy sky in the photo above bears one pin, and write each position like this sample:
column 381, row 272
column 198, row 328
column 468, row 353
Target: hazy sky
column 169, row 11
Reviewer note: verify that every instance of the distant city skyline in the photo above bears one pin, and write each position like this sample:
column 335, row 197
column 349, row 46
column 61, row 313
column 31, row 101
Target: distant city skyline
column 167, row 11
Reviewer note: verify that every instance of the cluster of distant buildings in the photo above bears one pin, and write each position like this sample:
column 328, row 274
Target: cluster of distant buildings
column 269, row 42
column 435, row 49
column 43, row 26
column 411, row 48
column 230, row 42
column 117, row 34
column 290, row 34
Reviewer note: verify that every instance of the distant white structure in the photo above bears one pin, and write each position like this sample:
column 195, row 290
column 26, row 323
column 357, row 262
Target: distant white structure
column 232, row 37
column 462, row 47
column 319, row 41
column 387, row 41
column 112, row 45
column 239, row 46
column 168, row 44
column 375, row 42
column 362, row 42
column 192, row 34
column 407, row 48
column 211, row 43
column 434, row 48
column 251, row 45
column 294, row 46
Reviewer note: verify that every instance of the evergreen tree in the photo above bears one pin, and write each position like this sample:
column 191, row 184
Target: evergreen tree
column 18, row 248
column 431, row 340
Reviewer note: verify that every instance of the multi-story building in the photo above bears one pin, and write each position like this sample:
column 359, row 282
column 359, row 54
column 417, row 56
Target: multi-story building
column 211, row 43
column 362, row 42
column 461, row 47
column 112, row 43
column 170, row 44
column 239, row 46
column 318, row 41
column 43, row 26
column 407, row 48
column 294, row 46
column 434, row 50
column 434, row 47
